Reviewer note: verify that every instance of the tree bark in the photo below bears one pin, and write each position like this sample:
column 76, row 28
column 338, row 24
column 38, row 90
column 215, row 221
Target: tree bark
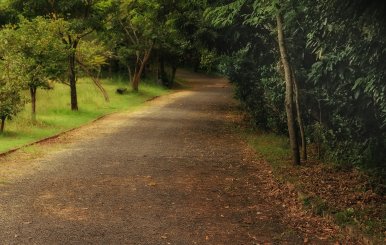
column 32, row 90
column 289, row 92
column 2, row 124
column 137, row 76
column 140, row 66
column 72, row 76
column 299, row 117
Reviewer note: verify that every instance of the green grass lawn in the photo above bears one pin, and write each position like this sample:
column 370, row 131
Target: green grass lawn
column 54, row 114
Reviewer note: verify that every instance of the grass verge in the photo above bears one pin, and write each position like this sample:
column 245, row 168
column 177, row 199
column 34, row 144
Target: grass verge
column 343, row 195
column 54, row 114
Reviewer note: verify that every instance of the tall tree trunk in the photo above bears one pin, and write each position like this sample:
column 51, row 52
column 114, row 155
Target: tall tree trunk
column 72, row 76
column 136, row 69
column 137, row 76
column 299, row 117
column 144, row 71
column 141, row 64
column 289, row 92
column 32, row 90
column 2, row 124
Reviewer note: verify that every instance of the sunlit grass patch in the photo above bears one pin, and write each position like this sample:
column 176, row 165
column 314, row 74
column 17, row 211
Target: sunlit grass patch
column 54, row 114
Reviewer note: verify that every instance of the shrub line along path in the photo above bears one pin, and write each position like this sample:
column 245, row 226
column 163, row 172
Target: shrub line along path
column 173, row 172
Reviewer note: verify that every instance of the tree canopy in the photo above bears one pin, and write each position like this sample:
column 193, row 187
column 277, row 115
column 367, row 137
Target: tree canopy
column 313, row 70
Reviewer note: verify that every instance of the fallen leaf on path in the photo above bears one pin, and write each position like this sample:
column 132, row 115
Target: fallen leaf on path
column 152, row 184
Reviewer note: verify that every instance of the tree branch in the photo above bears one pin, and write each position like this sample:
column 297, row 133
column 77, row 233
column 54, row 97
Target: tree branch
column 127, row 32
column 85, row 34
column 95, row 80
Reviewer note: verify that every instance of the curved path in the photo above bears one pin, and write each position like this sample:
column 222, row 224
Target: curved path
column 173, row 172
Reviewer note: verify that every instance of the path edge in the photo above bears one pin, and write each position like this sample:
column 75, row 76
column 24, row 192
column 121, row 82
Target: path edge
column 57, row 135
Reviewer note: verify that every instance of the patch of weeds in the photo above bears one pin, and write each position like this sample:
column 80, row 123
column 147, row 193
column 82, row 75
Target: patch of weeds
column 306, row 201
column 316, row 204
column 374, row 227
column 377, row 180
column 319, row 206
column 345, row 217
column 370, row 225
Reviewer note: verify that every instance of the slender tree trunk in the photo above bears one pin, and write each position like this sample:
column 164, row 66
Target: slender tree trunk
column 289, row 92
column 144, row 71
column 299, row 117
column 141, row 67
column 137, row 76
column 32, row 90
column 319, row 141
column 174, row 71
column 136, row 67
column 2, row 124
column 72, row 77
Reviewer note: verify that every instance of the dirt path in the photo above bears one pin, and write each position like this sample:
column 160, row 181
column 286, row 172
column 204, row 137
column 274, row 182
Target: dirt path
column 171, row 173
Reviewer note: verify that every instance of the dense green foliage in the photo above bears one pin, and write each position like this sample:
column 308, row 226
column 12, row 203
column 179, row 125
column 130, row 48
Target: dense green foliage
column 312, row 70
column 61, row 41
column 42, row 55
column 336, row 49
column 11, row 101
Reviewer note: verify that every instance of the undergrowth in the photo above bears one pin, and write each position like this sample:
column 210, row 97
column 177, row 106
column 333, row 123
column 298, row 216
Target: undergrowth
column 316, row 183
